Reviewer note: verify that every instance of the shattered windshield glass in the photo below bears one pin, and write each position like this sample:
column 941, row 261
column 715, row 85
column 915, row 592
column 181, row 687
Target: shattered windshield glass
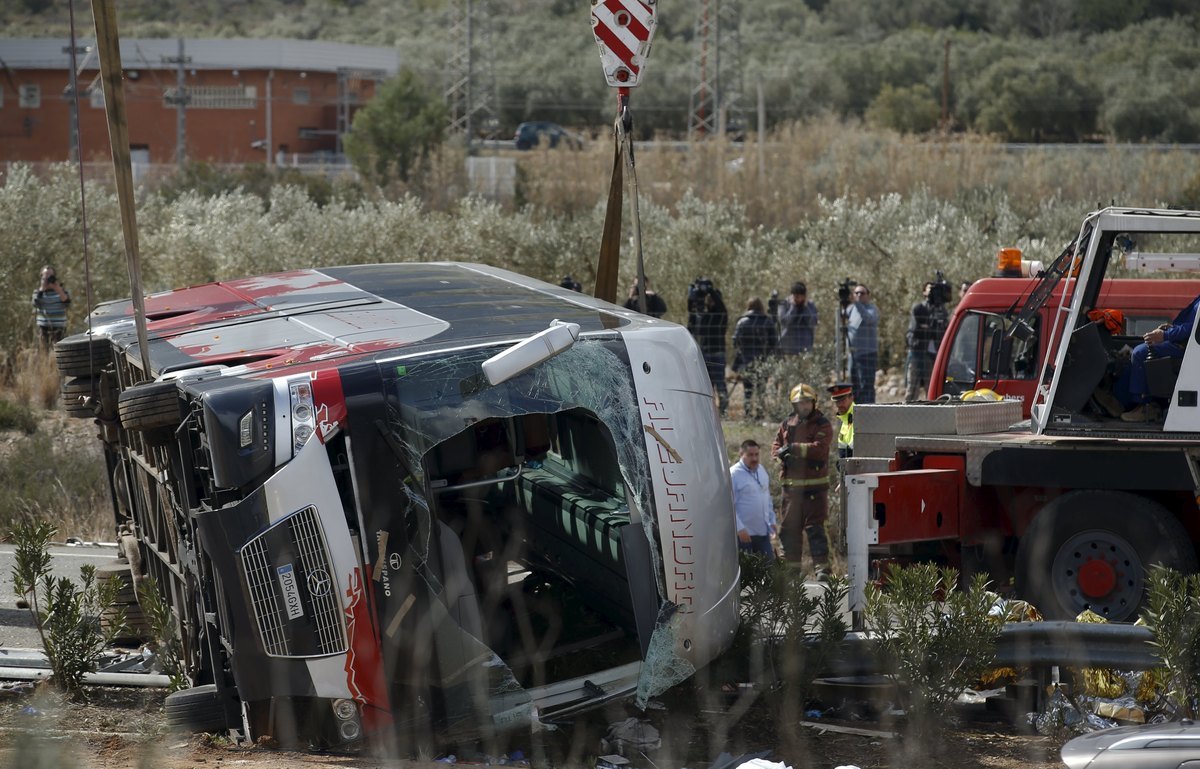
column 542, row 471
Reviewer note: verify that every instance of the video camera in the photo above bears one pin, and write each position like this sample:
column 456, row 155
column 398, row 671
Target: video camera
column 939, row 292
column 698, row 293
column 845, row 291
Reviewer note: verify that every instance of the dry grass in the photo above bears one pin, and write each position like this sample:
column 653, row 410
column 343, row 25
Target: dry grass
column 34, row 378
column 50, row 465
column 781, row 182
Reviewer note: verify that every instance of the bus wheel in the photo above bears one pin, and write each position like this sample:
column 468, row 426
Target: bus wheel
column 198, row 709
column 1091, row 550
column 151, row 409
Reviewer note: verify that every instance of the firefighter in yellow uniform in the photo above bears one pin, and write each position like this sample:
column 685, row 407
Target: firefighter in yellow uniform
column 802, row 447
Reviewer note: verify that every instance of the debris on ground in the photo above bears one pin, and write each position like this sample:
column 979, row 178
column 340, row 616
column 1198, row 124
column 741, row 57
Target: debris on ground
column 632, row 735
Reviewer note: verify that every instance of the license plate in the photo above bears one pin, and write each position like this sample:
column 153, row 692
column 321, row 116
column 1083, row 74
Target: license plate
column 291, row 591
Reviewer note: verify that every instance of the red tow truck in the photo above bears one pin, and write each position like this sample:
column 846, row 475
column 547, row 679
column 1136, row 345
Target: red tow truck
column 1073, row 504
column 967, row 360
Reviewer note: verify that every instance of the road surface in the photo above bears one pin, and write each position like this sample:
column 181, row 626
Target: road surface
column 16, row 625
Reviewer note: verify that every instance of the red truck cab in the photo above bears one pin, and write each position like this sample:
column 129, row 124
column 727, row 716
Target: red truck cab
column 976, row 351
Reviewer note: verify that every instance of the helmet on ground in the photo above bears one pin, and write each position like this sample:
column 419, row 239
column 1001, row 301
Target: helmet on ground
column 802, row 392
column 982, row 394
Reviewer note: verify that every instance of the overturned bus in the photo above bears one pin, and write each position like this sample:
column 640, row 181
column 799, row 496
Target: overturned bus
column 406, row 499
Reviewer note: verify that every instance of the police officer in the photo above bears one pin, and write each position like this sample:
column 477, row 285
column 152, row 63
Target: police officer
column 802, row 447
column 842, row 395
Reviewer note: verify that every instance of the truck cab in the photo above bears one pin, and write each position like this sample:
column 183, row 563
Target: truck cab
column 1074, row 504
column 977, row 351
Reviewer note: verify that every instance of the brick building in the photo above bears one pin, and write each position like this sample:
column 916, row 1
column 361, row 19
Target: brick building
column 244, row 101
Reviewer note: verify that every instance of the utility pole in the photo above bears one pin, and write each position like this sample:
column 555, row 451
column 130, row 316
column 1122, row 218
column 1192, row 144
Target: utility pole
column 180, row 99
column 72, row 96
column 716, row 68
column 946, row 87
column 467, row 102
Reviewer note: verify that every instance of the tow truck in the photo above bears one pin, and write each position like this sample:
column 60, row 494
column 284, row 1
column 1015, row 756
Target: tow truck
column 1072, row 505
column 967, row 360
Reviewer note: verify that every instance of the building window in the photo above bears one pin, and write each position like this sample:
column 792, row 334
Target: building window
column 96, row 97
column 214, row 97
column 29, row 96
column 1, row 98
column 301, row 96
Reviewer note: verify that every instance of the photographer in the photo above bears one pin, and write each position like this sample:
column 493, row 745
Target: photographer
column 50, row 302
column 707, row 321
column 926, row 325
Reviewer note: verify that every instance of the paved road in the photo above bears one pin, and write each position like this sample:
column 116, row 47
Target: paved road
column 16, row 625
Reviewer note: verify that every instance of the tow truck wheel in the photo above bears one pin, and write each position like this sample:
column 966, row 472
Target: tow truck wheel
column 82, row 355
column 149, row 407
column 1091, row 550
column 198, row 709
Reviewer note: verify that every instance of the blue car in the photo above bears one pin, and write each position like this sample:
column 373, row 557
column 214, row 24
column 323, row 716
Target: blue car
column 533, row 134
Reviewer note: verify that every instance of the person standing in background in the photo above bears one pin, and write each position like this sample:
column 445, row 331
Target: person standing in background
column 752, row 505
column 753, row 340
column 802, row 447
column 656, row 306
column 862, row 335
column 842, row 395
column 926, row 325
column 50, row 302
column 797, row 322
column 707, row 321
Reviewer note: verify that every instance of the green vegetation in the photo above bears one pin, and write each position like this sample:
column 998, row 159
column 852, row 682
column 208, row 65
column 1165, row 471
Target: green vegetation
column 16, row 416
column 1041, row 70
column 934, row 637
column 1173, row 615
column 166, row 644
column 398, row 131
column 66, row 614
column 48, row 479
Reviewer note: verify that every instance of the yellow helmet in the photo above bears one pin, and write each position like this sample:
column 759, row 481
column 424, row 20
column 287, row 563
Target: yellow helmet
column 982, row 394
column 802, row 392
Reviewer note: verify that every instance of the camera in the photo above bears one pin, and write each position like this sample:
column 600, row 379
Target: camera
column 845, row 291
column 784, row 451
column 699, row 292
column 773, row 303
column 939, row 292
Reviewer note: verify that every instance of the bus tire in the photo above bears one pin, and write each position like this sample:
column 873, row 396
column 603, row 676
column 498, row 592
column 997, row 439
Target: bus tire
column 82, row 355
column 198, row 709
column 149, row 407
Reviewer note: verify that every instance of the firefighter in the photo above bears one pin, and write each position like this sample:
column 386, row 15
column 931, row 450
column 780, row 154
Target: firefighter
column 802, row 448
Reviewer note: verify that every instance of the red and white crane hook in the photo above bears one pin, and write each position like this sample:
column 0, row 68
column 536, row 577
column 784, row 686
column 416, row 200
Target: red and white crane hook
column 624, row 31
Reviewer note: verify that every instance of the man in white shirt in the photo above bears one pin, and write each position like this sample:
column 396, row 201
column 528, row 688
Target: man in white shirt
column 756, row 522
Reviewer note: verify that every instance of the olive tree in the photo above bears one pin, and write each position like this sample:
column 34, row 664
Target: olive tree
column 401, row 126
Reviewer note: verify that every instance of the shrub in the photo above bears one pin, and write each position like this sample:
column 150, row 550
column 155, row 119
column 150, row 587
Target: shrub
column 935, row 638
column 50, row 479
column 166, row 644
column 15, row 416
column 1173, row 616
column 67, row 615
column 801, row 629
